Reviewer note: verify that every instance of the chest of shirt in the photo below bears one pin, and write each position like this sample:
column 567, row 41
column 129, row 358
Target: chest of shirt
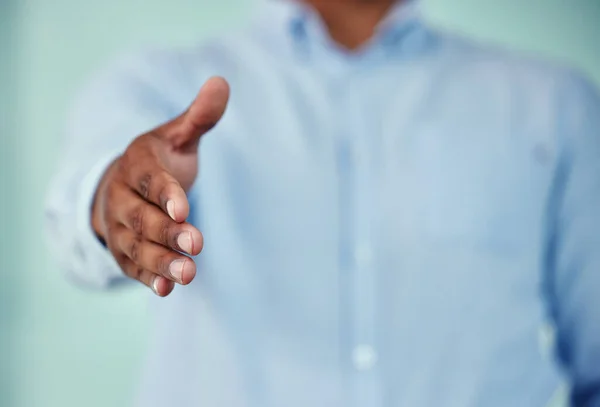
column 311, row 180
column 423, row 160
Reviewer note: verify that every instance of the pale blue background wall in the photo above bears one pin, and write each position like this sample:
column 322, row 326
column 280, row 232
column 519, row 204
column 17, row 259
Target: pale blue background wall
column 8, row 229
column 60, row 346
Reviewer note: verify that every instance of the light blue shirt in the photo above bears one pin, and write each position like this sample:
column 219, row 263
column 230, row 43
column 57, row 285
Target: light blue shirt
column 394, row 227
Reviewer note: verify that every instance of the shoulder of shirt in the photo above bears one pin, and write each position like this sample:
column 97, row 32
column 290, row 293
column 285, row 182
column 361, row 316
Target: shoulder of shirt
column 563, row 94
column 172, row 73
column 157, row 66
column 511, row 66
column 176, row 60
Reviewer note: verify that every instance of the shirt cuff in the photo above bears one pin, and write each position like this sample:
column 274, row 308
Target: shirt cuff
column 94, row 254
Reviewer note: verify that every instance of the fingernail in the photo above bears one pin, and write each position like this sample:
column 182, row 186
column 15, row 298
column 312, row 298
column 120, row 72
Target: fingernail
column 176, row 270
column 155, row 285
column 184, row 241
column 171, row 209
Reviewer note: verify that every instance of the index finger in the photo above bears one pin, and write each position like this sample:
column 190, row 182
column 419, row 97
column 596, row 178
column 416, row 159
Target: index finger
column 144, row 173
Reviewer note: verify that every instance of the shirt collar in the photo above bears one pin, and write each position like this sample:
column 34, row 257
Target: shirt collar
column 301, row 23
column 402, row 13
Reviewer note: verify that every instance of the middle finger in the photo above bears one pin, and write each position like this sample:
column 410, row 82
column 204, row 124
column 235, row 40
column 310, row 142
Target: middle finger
column 151, row 223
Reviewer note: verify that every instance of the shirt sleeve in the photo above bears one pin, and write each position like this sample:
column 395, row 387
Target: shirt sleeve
column 126, row 100
column 575, row 252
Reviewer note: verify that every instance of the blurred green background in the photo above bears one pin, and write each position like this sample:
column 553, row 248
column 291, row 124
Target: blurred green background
column 60, row 346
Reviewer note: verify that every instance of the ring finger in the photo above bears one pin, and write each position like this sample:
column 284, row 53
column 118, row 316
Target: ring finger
column 155, row 258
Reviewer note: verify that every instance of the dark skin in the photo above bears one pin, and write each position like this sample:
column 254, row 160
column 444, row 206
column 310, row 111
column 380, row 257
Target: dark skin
column 140, row 208
column 351, row 23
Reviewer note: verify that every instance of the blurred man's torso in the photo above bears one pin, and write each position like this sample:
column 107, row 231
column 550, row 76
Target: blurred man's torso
column 375, row 224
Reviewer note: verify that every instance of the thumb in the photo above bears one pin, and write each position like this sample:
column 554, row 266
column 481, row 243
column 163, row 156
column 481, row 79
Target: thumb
column 202, row 115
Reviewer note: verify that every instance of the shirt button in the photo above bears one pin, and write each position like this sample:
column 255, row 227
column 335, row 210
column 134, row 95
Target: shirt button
column 363, row 256
column 364, row 357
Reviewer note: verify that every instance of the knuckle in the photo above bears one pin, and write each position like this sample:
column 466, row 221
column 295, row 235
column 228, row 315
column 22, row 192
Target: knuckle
column 164, row 234
column 136, row 219
column 162, row 263
column 135, row 249
column 144, row 184
column 132, row 152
